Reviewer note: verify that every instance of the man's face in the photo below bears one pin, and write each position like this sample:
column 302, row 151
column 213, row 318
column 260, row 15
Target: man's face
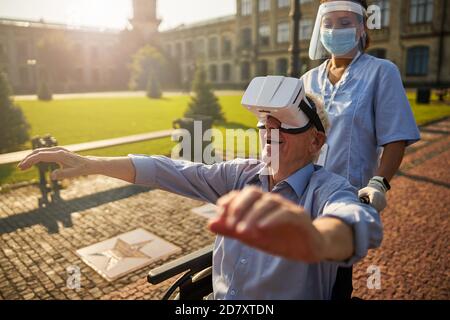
column 290, row 148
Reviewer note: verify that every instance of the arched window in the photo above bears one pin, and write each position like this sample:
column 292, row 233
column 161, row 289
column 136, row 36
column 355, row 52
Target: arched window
column 226, row 72
column 245, row 70
column 213, row 73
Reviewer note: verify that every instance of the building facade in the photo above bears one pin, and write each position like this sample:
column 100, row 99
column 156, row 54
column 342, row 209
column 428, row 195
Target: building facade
column 97, row 56
column 415, row 35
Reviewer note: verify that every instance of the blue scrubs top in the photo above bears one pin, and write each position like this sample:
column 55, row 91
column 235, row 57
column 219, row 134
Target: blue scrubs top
column 367, row 109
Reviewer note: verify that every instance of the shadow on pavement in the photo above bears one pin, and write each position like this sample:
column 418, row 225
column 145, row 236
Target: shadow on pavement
column 424, row 179
column 61, row 211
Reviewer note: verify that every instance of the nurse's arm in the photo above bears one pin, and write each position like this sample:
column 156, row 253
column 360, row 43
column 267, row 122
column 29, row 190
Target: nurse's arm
column 391, row 159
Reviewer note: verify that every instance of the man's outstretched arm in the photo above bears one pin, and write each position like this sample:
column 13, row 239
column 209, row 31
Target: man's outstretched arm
column 194, row 180
column 278, row 226
column 73, row 165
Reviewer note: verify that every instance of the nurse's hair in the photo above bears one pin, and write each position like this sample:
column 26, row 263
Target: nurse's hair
column 320, row 109
column 365, row 43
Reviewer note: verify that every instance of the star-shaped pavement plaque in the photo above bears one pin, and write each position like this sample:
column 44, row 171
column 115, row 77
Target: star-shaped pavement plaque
column 126, row 253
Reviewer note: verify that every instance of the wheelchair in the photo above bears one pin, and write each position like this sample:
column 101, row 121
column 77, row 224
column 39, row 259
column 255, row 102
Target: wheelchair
column 196, row 281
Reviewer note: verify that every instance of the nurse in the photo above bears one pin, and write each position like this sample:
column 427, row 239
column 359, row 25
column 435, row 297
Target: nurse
column 366, row 103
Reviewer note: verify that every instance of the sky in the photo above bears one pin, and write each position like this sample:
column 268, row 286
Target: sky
column 113, row 13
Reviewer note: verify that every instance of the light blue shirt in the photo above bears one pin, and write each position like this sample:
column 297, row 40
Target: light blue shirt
column 367, row 109
column 241, row 272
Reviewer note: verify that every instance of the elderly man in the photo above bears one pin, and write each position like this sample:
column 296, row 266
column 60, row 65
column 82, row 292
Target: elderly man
column 282, row 235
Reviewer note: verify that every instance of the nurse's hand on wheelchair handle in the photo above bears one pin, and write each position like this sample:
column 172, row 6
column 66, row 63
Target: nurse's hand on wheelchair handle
column 268, row 222
column 373, row 196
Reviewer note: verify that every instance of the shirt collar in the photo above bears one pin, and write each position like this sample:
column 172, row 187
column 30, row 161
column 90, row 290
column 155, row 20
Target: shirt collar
column 298, row 180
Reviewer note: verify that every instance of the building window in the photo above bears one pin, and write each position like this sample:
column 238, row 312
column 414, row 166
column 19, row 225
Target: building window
column 226, row 47
column 384, row 6
column 379, row 53
column 421, row 11
column 169, row 50
column 245, row 71
column 200, row 47
column 305, row 29
column 264, row 5
column 246, row 38
column 226, row 72
column 283, row 32
column 417, row 61
column 3, row 55
column 264, row 35
column 178, row 50
column 95, row 76
column 213, row 73
column 78, row 51
column 262, row 68
column 283, row 3
column 213, row 48
column 24, row 76
column 94, row 53
column 112, row 75
column 282, row 66
column 78, row 75
column 189, row 50
column 246, row 7
column 22, row 49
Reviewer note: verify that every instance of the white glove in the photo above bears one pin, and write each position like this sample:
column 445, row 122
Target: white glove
column 375, row 193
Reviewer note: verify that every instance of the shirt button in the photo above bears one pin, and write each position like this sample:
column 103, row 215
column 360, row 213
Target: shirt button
column 243, row 261
column 233, row 293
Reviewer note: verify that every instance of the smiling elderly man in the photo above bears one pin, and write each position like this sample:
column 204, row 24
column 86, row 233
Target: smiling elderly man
column 285, row 233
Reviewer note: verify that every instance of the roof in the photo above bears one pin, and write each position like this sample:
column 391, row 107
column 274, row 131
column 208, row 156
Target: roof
column 202, row 23
column 52, row 25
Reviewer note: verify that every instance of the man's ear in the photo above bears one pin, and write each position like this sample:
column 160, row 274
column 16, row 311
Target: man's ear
column 317, row 141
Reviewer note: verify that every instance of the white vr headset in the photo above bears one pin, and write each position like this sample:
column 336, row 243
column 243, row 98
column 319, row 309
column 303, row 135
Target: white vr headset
column 284, row 99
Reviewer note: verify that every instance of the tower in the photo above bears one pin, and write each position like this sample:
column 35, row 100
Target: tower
column 145, row 20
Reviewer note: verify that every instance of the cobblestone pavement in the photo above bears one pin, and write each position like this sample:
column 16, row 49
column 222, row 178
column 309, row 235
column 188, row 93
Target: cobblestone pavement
column 37, row 245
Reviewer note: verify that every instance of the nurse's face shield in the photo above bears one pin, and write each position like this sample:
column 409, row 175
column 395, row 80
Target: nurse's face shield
column 335, row 24
column 284, row 99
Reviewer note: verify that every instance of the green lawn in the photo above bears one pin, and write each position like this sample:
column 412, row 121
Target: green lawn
column 75, row 121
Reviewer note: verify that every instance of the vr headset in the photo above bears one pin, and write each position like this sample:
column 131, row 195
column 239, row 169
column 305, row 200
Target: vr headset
column 284, row 99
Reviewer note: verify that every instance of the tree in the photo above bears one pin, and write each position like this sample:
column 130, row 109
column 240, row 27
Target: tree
column 55, row 58
column 204, row 102
column 13, row 125
column 44, row 92
column 153, row 87
column 148, row 62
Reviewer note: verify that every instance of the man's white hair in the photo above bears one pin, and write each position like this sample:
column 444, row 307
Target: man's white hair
column 323, row 115
column 320, row 109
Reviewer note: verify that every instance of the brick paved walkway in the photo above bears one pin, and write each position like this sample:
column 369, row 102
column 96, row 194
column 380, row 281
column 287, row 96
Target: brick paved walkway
column 37, row 245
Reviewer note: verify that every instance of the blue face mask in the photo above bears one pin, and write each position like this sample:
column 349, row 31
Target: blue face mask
column 338, row 41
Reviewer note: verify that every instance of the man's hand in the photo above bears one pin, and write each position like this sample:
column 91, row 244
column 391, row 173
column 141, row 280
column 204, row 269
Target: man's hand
column 71, row 164
column 269, row 222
